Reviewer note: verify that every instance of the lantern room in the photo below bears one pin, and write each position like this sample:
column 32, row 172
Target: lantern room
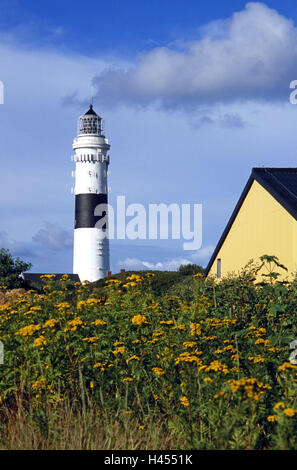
column 90, row 123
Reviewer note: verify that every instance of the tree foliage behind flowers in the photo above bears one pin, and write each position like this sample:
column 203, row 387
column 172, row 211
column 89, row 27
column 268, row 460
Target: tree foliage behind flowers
column 213, row 364
column 10, row 270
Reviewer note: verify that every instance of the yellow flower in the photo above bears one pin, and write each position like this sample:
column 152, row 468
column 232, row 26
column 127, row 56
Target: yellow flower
column 261, row 331
column 290, row 412
column 98, row 364
column 189, row 344
column 272, row 418
column 179, row 327
column 217, row 366
column 158, row 371
column 168, row 322
column 128, row 379
column 28, row 330
column 139, row 319
column 75, row 323
column 152, row 341
column 93, row 339
column 184, row 401
column 39, row 384
column 93, row 301
column 50, row 323
column 265, row 342
column 116, row 282
column 187, row 357
column 99, row 322
column 250, row 387
column 141, row 427
column 91, row 385
column 41, row 341
column 285, row 366
column 256, row 359
column 158, row 333
column 278, row 405
column 36, row 308
column 133, row 358
column 195, row 329
column 208, row 380
column 120, row 350
column 274, row 349
column 63, row 305
column 209, row 338
column 134, row 277
column 130, row 284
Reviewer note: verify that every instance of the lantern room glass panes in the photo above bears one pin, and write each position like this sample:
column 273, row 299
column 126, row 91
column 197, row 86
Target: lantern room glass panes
column 90, row 125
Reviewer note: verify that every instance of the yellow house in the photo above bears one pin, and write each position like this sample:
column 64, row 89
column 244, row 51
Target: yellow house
column 264, row 222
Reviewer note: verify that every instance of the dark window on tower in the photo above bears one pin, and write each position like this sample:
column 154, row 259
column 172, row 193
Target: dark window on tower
column 219, row 267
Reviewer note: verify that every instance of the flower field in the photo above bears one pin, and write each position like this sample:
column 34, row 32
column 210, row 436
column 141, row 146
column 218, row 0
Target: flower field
column 202, row 366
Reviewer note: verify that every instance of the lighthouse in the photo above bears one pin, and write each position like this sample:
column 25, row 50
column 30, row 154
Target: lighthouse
column 91, row 244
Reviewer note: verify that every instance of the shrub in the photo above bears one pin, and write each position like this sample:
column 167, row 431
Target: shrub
column 10, row 270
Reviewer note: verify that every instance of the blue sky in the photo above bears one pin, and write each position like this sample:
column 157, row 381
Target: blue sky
column 194, row 94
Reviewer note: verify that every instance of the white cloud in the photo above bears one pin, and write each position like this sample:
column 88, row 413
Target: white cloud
column 253, row 55
column 203, row 254
column 137, row 264
column 17, row 248
column 54, row 237
column 172, row 264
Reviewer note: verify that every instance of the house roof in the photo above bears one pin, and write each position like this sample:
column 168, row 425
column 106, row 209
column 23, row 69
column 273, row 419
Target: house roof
column 35, row 277
column 281, row 183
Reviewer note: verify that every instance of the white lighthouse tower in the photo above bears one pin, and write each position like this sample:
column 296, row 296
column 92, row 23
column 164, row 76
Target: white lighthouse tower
column 91, row 245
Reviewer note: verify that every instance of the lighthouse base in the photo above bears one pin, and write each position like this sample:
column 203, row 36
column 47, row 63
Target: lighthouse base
column 90, row 254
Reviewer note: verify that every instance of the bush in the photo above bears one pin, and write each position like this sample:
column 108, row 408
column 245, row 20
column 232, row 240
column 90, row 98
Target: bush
column 188, row 269
column 10, row 270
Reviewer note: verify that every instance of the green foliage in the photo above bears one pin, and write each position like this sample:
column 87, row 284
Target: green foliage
column 188, row 269
column 162, row 282
column 10, row 269
column 270, row 263
column 209, row 359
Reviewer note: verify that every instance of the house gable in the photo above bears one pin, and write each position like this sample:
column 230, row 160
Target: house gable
column 263, row 222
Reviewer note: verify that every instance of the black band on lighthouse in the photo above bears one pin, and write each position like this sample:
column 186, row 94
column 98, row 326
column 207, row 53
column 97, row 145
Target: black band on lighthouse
column 85, row 205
